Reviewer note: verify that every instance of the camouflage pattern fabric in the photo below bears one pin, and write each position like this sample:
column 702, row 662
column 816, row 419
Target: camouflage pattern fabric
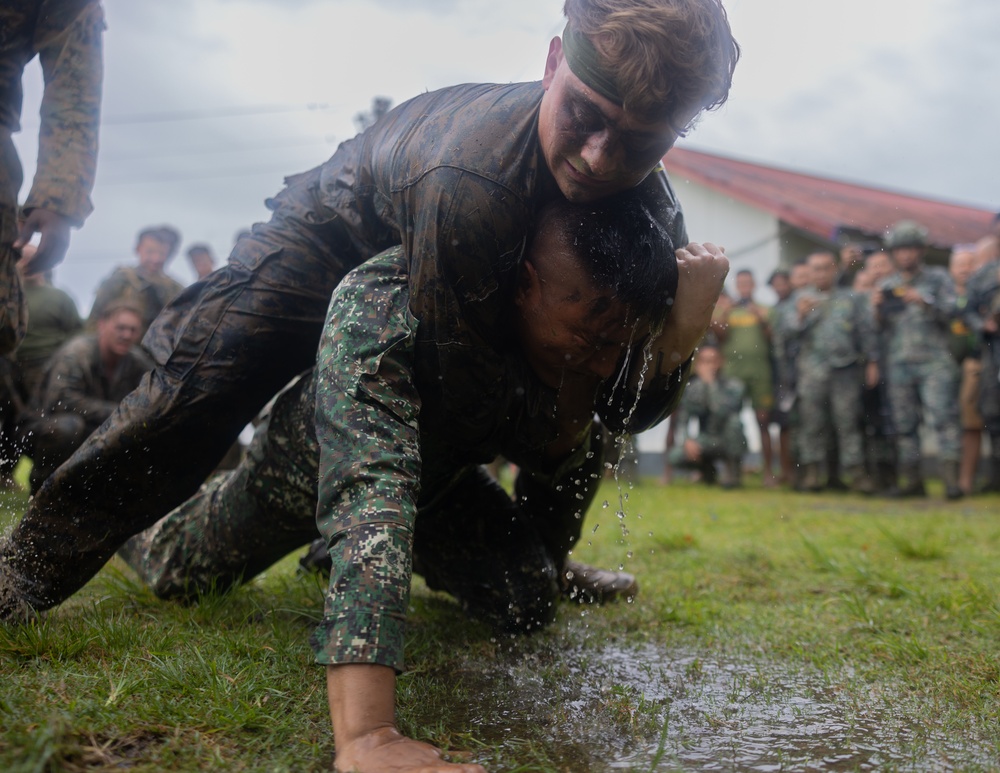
column 399, row 490
column 462, row 211
column 66, row 35
column 834, row 340
column 983, row 291
column 922, row 375
column 717, row 408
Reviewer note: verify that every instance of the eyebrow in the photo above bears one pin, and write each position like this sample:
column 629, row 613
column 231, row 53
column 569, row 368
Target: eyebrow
column 580, row 99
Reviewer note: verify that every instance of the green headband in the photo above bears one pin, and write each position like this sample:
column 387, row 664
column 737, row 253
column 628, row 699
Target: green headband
column 583, row 60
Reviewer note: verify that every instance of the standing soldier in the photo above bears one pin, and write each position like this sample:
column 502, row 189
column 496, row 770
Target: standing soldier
column 66, row 37
column 836, row 341
column 914, row 310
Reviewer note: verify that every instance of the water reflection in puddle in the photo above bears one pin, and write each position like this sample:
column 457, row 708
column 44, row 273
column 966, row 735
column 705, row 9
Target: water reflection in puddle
column 649, row 709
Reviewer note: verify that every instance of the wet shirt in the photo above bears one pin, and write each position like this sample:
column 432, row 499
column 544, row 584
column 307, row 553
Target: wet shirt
column 66, row 36
column 391, row 442
column 75, row 381
column 839, row 332
column 918, row 332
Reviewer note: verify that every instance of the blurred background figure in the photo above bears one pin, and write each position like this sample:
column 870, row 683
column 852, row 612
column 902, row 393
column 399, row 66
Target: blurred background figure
column 965, row 348
column 783, row 369
column 712, row 401
column 201, row 259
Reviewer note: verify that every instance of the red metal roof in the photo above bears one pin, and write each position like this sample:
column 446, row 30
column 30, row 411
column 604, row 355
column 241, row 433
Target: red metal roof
column 822, row 206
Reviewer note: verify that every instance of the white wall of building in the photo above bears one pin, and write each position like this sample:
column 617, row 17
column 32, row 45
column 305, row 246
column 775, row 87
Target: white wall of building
column 751, row 239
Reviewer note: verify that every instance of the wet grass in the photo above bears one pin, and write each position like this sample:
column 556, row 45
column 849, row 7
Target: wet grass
column 763, row 614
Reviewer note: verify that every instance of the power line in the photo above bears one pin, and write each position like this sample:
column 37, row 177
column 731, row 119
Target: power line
column 126, row 119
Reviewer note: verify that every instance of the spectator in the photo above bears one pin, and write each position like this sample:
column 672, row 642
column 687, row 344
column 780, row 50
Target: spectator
column 146, row 285
column 836, row 341
column 783, row 369
column 744, row 328
column 202, row 260
column 714, row 401
column 965, row 349
column 81, row 387
column 914, row 310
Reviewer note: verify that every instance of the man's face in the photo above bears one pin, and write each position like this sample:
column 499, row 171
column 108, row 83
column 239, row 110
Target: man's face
column 202, row 264
column 823, row 269
column 707, row 364
column 961, row 265
column 566, row 325
column 880, row 266
column 744, row 286
column 593, row 147
column 799, row 276
column 781, row 285
column 119, row 332
column 152, row 254
column 907, row 258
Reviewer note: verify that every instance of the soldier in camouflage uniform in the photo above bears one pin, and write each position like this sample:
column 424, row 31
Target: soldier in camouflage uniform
column 146, row 285
column 401, row 483
column 66, row 36
column 914, row 308
column 833, row 332
column 982, row 315
column 456, row 177
column 715, row 401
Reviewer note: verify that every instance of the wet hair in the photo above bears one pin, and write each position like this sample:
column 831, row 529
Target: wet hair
column 672, row 59
column 622, row 248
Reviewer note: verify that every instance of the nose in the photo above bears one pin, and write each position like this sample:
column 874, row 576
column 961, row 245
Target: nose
column 599, row 152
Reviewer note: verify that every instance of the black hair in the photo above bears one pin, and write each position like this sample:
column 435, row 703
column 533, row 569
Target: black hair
column 622, row 247
column 745, row 272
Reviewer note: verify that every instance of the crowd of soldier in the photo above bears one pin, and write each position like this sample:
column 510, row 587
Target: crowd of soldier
column 861, row 348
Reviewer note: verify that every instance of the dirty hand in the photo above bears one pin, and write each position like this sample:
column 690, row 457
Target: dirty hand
column 702, row 270
column 54, row 230
column 386, row 750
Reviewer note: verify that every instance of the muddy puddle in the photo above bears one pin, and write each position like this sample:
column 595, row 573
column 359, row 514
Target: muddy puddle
column 651, row 709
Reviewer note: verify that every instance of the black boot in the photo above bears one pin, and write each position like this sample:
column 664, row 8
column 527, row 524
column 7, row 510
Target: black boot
column 949, row 471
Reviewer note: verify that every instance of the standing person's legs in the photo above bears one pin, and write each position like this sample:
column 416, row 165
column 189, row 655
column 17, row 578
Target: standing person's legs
column 907, row 410
column 845, row 413
column 938, row 386
column 13, row 310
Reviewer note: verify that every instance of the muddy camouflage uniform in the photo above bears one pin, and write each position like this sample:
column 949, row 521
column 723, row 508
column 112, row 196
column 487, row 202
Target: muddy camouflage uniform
column 921, row 372
column 455, row 176
column 66, row 36
column 717, row 408
column 401, row 487
column 834, row 342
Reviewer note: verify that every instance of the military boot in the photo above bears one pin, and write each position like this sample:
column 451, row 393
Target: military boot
column 730, row 474
column 859, row 481
column 590, row 585
column 949, row 471
column 810, row 478
column 914, row 482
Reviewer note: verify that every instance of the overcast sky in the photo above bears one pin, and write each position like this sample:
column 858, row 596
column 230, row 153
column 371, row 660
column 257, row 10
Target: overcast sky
column 208, row 104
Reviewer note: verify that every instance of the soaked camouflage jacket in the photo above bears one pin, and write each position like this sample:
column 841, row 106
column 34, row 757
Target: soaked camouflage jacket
column 66, row 36
column 915, row 332
column 75, row 381
column 838, row 333
column 391, row 442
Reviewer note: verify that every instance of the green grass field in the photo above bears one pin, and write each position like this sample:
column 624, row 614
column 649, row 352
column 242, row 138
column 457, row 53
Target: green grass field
column 773, row 631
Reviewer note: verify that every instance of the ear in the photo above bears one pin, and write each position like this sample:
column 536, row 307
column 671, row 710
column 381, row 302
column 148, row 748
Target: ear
column 552, row 61
column 527, row 278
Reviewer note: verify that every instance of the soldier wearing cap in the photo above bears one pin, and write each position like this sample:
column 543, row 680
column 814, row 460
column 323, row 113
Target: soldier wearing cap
column 914, row 309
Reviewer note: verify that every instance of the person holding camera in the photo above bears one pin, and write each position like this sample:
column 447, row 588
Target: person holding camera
column 914, row 308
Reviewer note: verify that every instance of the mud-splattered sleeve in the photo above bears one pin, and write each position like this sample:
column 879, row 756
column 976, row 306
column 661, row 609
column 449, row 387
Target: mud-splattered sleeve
column 68, row 41
column 366, row 427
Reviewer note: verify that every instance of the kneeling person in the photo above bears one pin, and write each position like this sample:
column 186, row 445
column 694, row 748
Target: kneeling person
column 398, row 446
column 81, row 387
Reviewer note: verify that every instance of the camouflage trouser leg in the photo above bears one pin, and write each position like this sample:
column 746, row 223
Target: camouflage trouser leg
column 925, row 391
column 814, row 411
column 13, row 311
column 241, row 521
column 845, row 410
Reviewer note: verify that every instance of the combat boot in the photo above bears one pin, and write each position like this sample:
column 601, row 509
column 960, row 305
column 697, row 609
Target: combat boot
column 810, row 478
column 730, row 477
column 914, row 482
column 590, row 585
column 949, row 471
column 860, row 483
